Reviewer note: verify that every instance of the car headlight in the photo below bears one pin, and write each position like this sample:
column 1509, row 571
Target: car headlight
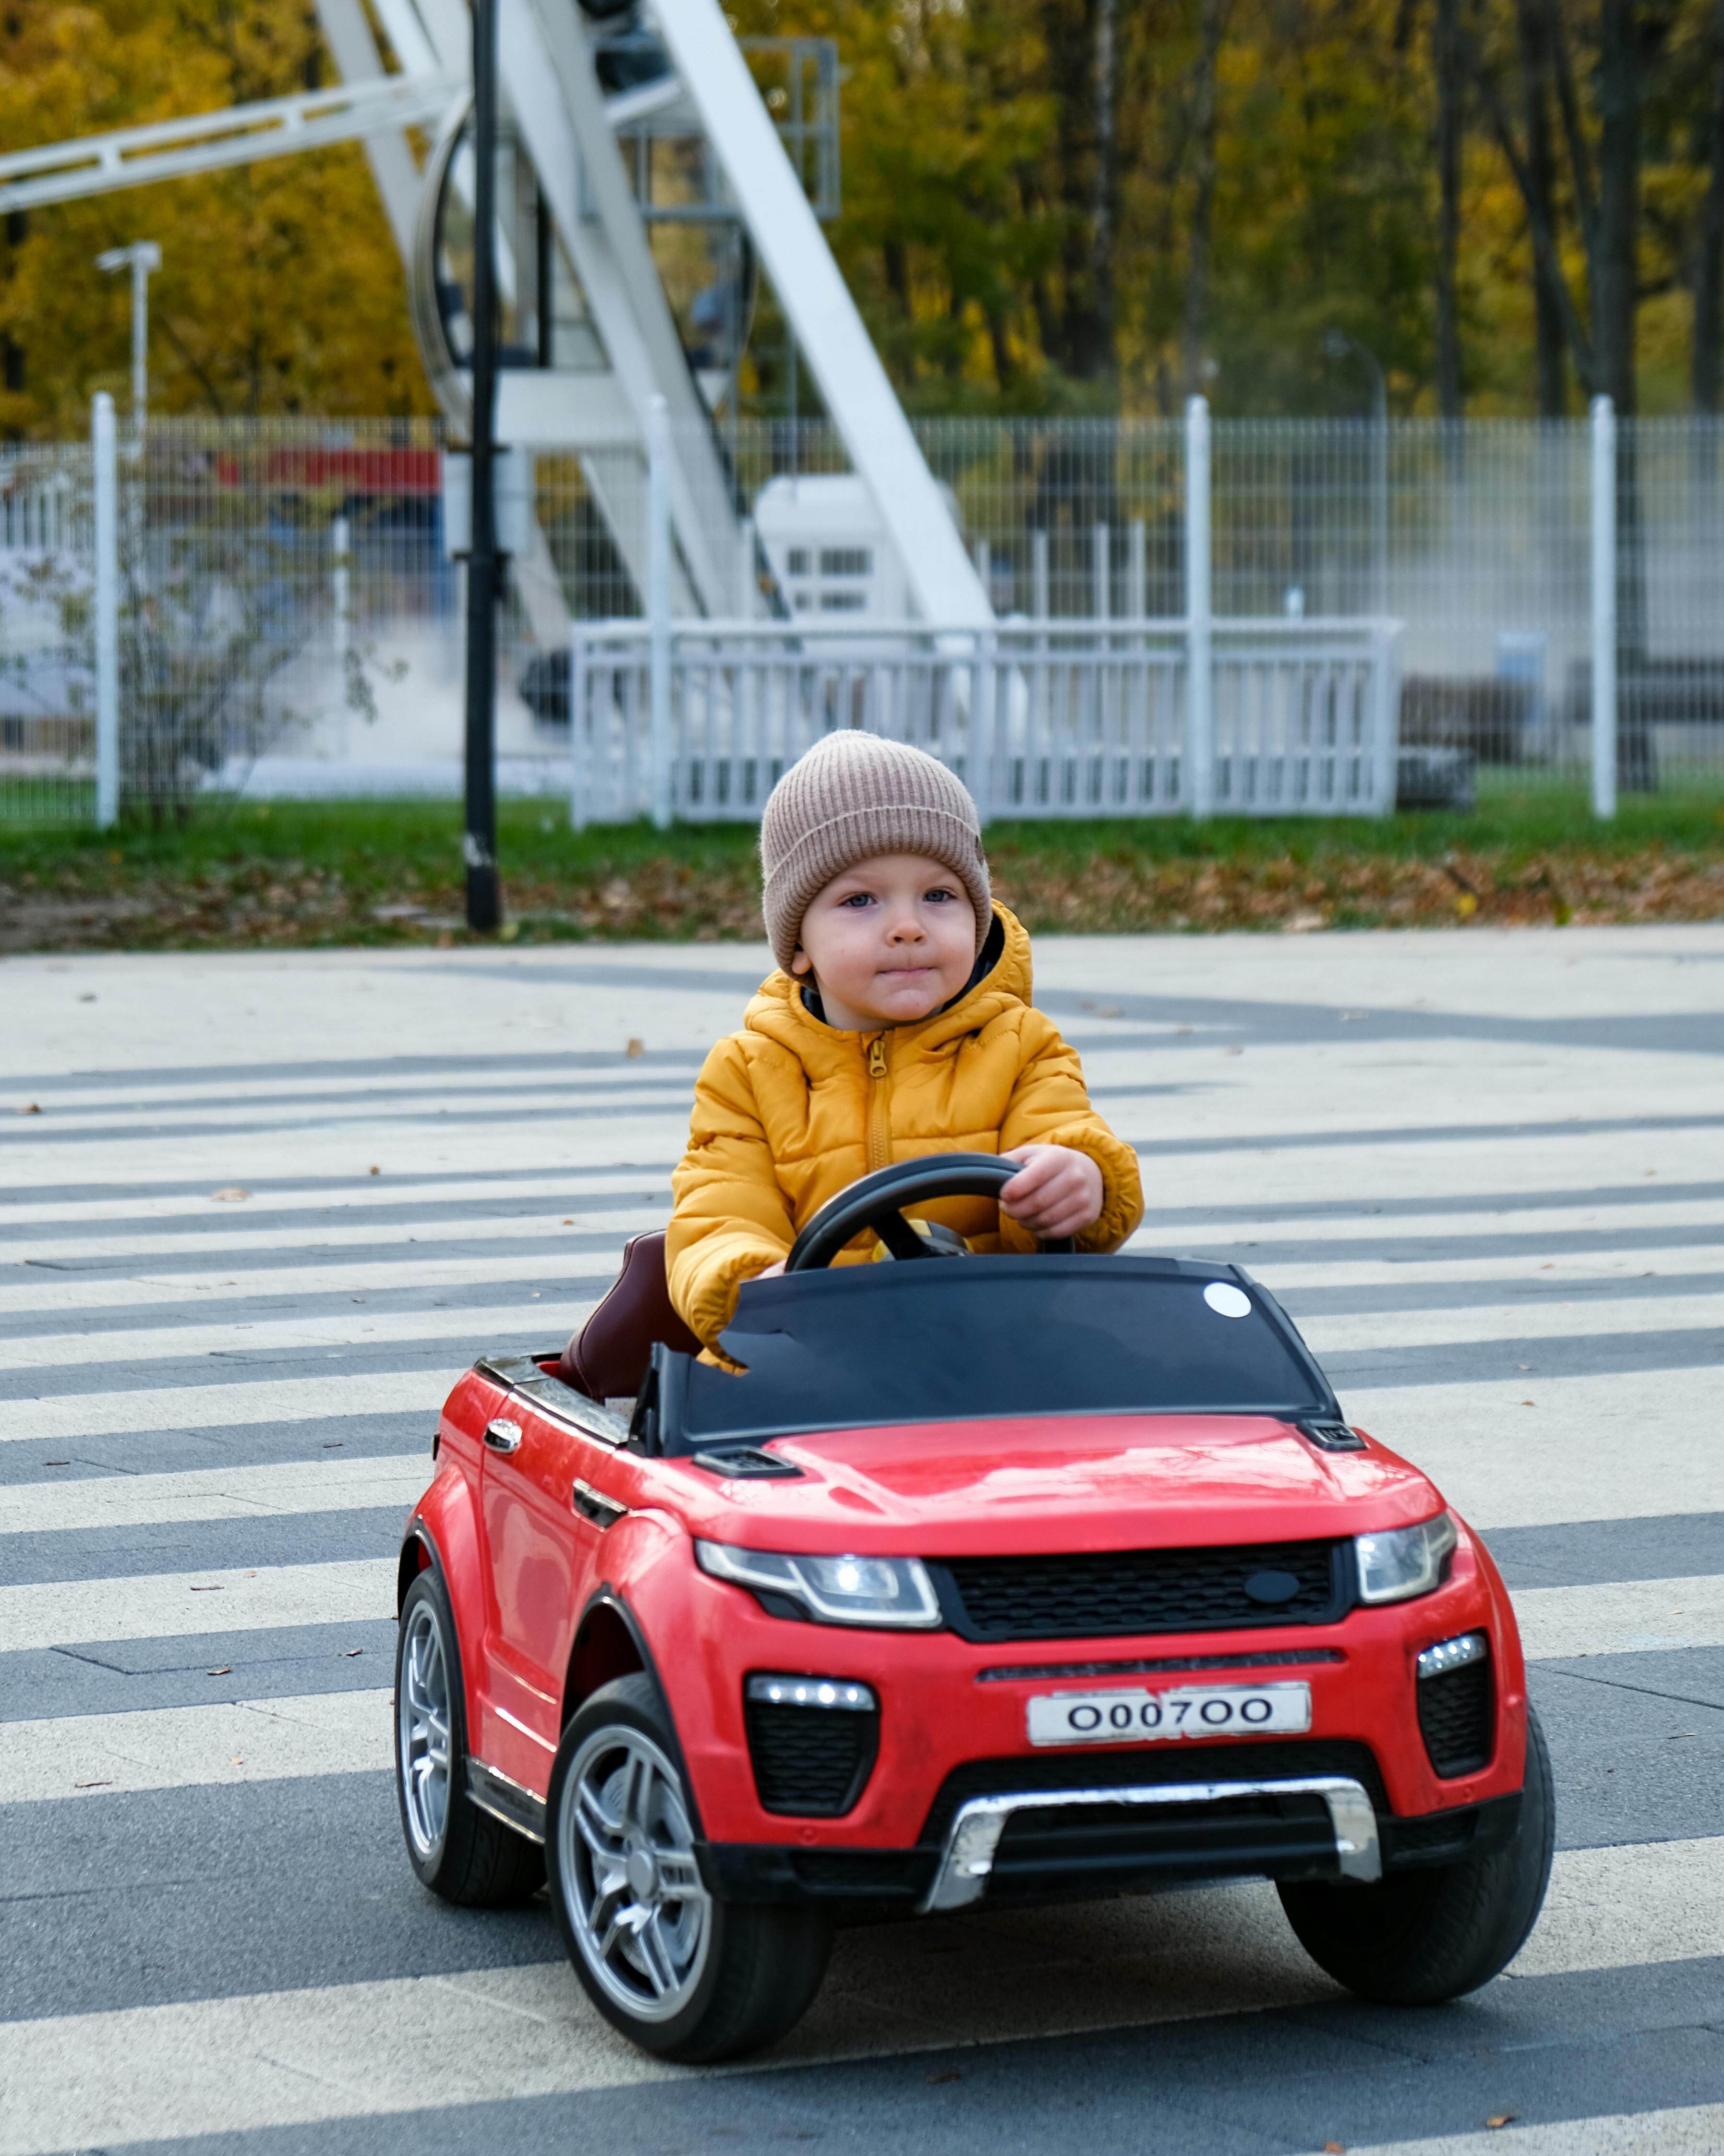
column 833, row 1590
column 1403, row 1562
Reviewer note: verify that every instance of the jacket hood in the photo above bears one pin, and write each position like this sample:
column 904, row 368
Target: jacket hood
column 777, row 1009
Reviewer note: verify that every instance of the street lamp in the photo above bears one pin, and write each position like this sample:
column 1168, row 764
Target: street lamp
column 1338, row 344
column 140, row 258
column 478, row 841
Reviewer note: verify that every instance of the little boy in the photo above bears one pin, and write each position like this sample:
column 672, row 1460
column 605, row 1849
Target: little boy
column 899, row 1023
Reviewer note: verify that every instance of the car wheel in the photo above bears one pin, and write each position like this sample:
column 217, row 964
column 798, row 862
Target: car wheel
column 685, row 1974
column 1418, row 1938
column 458, row 1851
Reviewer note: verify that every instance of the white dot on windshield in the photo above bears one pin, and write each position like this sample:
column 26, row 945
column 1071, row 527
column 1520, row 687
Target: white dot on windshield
column 1226, row 1299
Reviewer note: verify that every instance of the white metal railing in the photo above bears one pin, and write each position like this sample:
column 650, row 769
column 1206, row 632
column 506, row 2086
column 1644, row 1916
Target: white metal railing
column 1043, row 719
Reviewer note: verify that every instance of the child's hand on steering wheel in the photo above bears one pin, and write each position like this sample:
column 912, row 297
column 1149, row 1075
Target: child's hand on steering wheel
column 1057, row 1192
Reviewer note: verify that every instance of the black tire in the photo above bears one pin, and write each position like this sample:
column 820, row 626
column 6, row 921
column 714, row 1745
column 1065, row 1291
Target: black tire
column 463, row 1854
column 1418, row 1938
column 731, row 1977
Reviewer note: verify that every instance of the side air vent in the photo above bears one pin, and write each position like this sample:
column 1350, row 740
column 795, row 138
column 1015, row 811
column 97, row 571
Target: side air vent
column 1457, row 1709
column 812, row 1742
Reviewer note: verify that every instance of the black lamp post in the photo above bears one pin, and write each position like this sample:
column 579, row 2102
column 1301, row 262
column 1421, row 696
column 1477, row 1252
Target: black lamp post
column 478, row 845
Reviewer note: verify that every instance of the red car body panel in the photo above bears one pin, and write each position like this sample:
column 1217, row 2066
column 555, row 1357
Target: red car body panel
column 525, row 1569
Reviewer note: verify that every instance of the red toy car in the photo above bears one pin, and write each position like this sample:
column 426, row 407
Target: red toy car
column 1039, row 1577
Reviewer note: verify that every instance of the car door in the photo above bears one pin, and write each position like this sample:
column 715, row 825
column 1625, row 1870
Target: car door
column 540, row 1551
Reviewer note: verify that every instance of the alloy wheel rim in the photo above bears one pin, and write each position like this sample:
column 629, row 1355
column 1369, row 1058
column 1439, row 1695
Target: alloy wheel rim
column 630, row 1881
column 423, row 1750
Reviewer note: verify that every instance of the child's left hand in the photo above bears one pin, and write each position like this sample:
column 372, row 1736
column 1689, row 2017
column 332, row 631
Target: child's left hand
column 1057, row 1191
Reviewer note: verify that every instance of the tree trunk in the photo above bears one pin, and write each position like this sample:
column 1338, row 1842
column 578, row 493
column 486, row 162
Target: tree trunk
column 1541, row 170
column 1203, row 128
column 1709, row 269
column 1093, row 352
column 1615, row 264
column 1446, row 65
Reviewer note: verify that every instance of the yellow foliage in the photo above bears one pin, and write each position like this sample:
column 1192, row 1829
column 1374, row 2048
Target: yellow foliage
column 281, row 288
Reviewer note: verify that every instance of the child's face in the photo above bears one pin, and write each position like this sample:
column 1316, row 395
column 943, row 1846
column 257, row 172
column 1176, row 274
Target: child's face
column 887, row 942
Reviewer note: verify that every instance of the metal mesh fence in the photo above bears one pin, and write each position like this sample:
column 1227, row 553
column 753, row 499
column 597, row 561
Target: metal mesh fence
column 46, row 656
column 292, row 618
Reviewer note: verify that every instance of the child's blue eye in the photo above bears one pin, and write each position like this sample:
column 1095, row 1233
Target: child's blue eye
column 858, row 898
column 939, row 891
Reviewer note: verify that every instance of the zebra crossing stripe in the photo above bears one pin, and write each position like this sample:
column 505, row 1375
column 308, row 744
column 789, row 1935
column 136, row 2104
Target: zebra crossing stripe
column 84, row 1755
column 214, row 1493
column 431, row 2043
column 138, row 1412
column 180, row 1605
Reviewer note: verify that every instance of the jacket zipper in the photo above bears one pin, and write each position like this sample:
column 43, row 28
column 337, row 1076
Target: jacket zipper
column 879, row 1105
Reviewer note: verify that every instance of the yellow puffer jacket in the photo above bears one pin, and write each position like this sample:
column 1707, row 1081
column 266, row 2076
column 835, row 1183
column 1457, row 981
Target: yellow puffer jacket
column 789, row 1110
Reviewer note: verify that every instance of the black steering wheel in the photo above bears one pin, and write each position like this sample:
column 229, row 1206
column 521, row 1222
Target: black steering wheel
column 877, row 1201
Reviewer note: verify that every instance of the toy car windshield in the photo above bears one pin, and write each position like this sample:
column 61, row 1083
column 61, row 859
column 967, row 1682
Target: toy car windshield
column 1002, row 1336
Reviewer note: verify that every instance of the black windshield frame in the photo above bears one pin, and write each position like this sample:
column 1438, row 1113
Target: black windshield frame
column 690, row 1406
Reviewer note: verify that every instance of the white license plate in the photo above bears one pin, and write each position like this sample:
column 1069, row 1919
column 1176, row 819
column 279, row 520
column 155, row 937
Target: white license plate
column 1148, row 1717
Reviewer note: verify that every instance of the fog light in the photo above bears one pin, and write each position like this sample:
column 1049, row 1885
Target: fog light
column 1452, row 1655
column 813, row 1692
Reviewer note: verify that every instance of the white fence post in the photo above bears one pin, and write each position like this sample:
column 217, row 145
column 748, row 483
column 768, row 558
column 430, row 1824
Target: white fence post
column 659, row 601
column 1137, row 571
column 579, row 785
column 107, row 612
column 1102, row 573
column 1603, row 669
column 983, row 688
column 1199, row 788
column 340, row 598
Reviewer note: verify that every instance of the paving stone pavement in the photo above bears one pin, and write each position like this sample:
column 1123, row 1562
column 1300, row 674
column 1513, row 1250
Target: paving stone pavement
column 1484, row 1170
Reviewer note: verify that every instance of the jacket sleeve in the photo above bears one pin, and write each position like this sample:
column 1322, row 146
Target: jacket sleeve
column 730, row 1219
column 1049, row 1106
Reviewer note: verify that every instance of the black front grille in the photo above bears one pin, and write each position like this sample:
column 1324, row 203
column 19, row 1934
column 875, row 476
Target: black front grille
column 1262, row 1759
column 1095, row 1596
column 1456, row 1715
column 812, row 1762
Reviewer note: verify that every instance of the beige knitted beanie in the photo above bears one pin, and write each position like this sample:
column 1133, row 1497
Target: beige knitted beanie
column 852, row 796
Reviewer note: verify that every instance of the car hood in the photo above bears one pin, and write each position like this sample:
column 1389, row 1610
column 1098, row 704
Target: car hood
column 1082, row 1483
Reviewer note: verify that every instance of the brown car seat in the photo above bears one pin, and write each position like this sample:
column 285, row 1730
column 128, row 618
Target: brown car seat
column 608, row 1356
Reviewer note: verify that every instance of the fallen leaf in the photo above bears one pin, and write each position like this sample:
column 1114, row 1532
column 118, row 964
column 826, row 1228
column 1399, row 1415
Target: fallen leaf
column 237, row 1759
column 1334, row 2149
column 935, row 2080
column 230, row 1194
column 1466, row 905
column 1529, row 1404
column 445, row 942
column 92, row 1785
column 374, row 1171
column 226, row 1669
column 635, row 1051
column 350, row 1652
column 568, row 1224
column 34, row 1109
column 1501, row 2118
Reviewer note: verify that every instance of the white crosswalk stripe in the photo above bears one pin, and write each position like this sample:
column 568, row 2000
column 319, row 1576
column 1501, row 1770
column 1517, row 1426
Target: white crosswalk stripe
column 179, row 1604
column 213, row 1493
column 131, row 1424
column 367, row 2049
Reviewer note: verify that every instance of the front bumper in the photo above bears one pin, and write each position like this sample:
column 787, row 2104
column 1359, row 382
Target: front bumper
column 1040, row 1846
